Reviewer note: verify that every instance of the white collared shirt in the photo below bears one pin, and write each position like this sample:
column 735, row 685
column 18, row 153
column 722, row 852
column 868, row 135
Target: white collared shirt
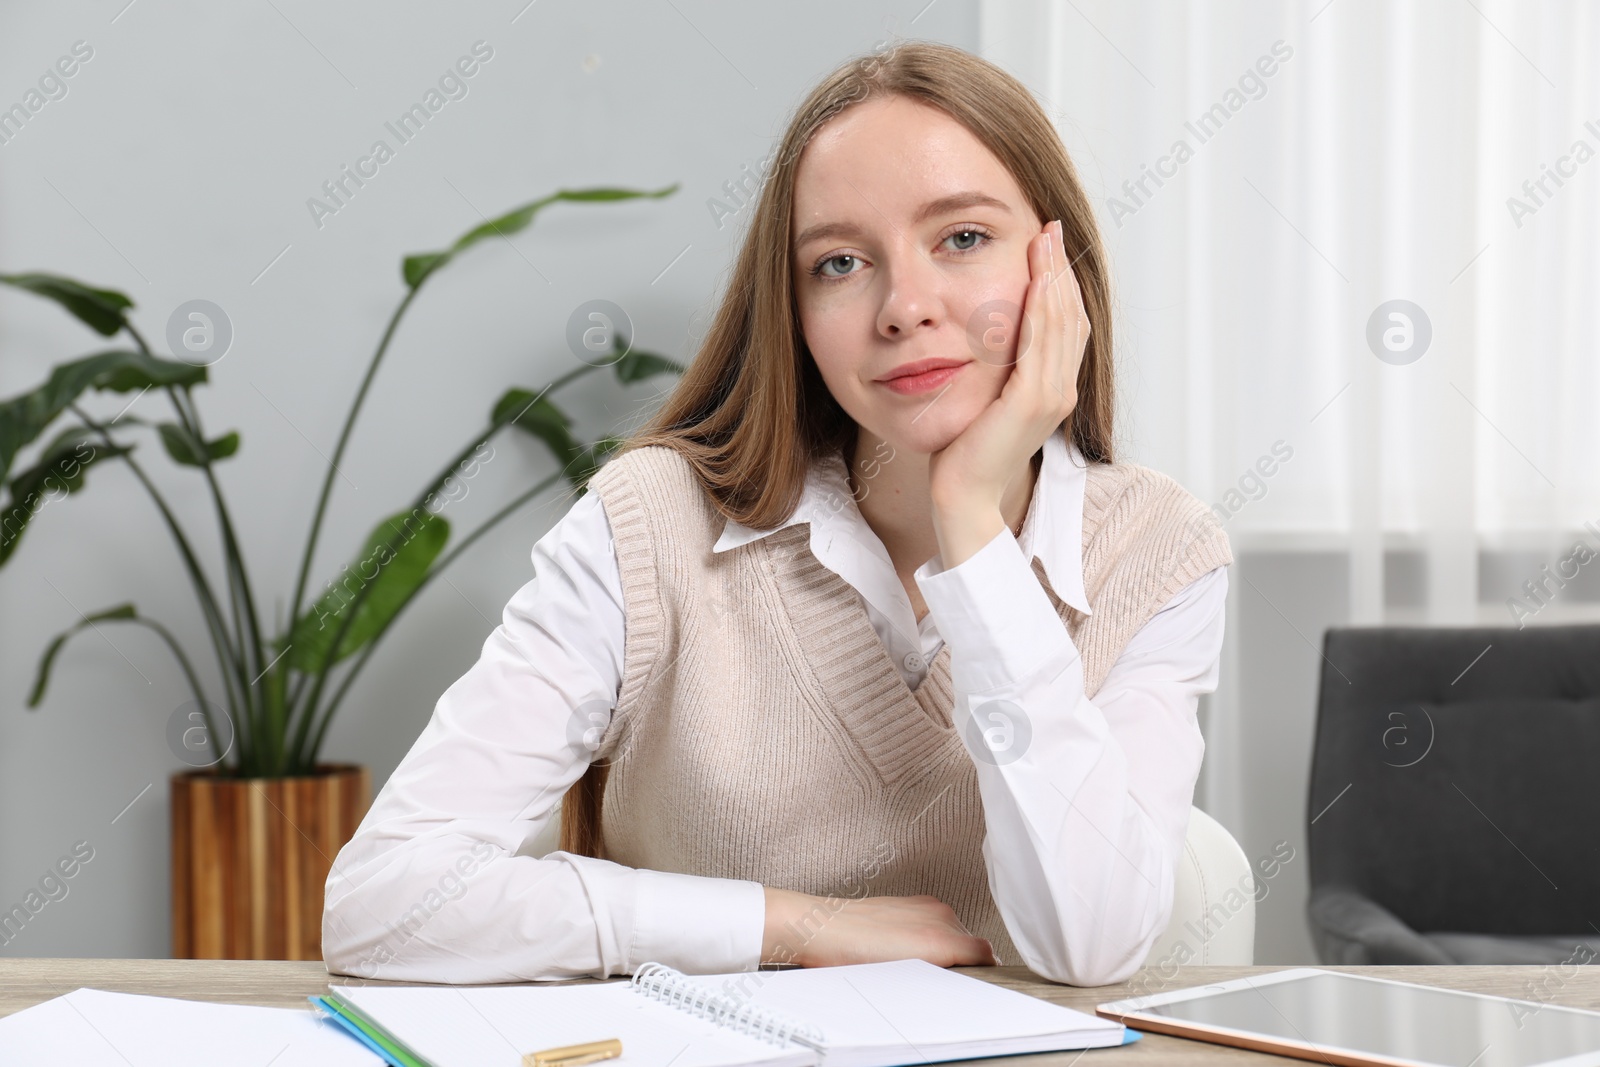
column 440, row 883
column 844, row 543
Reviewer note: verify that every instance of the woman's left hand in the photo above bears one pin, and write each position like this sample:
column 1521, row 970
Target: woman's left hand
column 969, row 477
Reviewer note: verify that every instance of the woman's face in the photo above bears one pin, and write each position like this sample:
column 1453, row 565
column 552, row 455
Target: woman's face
column 918, row 238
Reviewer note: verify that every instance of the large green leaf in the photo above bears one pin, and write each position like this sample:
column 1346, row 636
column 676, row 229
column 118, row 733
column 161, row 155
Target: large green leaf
column 392, row 572
column 99, row 309
column 185, row 448
column 636, row 366
column 25, row 417
column 417, row 267
column 224, row 446
column 535, row 414
column 121, row 611
column 58, row 472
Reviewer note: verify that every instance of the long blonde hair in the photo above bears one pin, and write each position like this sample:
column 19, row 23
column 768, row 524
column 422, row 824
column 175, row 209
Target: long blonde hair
column 752, row 411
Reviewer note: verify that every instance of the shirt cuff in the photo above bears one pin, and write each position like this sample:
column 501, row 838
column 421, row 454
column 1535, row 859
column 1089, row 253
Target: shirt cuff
column 697, row 924
column 995, row 615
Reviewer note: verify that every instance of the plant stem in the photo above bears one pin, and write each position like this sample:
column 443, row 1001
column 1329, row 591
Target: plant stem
column 240, row 586
column 138, row 338
column 566, row 379
column 349, row 610
column 241, row 599
column 318, row 678
column 235, row 604
column 439, row 565
column 338, row 452
column 227, row 655
column 308, row 712
column 194, row 682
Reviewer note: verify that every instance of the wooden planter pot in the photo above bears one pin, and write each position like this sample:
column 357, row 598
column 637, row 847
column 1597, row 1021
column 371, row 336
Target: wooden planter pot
column 250, row 856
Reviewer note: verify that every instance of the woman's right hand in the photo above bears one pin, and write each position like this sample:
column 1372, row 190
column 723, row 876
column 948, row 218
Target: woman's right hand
column 817, row 931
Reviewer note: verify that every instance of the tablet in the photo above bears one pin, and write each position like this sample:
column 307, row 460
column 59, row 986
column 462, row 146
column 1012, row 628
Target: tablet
column 1354, row 1020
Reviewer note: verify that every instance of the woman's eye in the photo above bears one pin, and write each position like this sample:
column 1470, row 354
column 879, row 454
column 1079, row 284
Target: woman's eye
column 974, row 234
column 820, row 267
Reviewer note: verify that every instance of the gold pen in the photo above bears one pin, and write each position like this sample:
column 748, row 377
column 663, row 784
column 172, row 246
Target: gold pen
column 574, row 1055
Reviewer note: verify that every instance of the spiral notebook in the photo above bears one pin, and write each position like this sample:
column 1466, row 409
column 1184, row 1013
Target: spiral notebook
column 860, row 1015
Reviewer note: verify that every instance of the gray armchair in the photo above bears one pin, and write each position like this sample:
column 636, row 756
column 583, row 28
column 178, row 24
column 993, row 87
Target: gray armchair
column 1455, row 797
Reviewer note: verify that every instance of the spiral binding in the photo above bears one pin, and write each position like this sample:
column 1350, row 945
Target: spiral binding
column 672, row 987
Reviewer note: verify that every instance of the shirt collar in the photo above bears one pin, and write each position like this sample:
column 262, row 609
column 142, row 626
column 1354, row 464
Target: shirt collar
column 1051, row 533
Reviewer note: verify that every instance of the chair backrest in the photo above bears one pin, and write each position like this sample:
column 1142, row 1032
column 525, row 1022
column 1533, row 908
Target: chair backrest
column 1213, row 904
column 1453, row 777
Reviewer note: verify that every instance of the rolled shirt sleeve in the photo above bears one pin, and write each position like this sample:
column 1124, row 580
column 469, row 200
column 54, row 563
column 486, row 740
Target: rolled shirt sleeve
column 1086, row 802
column 440, row 883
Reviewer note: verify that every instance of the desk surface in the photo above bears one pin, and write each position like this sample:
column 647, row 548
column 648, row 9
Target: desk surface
column 24, row 982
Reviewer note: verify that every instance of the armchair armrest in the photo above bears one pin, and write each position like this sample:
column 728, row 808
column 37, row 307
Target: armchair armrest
column 1349, row 928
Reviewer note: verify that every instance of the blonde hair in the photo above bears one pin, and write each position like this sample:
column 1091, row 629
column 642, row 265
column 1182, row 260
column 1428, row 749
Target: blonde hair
column 752, row 412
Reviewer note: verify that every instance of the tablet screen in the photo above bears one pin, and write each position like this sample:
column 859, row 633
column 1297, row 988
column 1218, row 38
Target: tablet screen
column 1436, row 1026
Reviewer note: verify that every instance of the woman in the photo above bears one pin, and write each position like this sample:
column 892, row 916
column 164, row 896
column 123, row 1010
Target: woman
column 864, row 648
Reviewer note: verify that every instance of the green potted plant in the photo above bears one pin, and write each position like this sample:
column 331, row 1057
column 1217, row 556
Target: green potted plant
column 257, row 821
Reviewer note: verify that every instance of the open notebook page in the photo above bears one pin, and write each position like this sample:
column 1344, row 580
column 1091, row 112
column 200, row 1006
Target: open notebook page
column 912, row 1011
column 491, row 1026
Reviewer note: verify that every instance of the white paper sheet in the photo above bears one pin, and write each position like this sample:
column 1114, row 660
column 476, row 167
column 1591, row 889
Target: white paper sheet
column 94, row 1028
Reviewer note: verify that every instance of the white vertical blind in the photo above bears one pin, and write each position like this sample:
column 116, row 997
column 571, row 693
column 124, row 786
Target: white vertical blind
column 1377, row 163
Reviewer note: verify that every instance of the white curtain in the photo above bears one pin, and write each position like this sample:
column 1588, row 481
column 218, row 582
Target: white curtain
column 1342, row 155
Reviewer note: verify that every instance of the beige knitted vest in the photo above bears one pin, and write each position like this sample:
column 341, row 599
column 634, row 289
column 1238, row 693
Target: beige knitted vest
column 762, row 732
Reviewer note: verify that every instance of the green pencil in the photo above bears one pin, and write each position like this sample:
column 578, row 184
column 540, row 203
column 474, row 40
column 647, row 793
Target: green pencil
column 381, row 1037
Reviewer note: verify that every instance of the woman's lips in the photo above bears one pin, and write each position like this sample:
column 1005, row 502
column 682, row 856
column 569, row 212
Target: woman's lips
column 921, row 383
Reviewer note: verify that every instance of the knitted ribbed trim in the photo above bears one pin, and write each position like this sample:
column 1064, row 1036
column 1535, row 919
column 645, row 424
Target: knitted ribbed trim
column 899, row 730
column 632, row 521
column 1127, row 506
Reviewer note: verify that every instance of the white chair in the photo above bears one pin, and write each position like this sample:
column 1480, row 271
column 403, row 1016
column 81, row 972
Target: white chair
column 1208, row 925
column 1213, row 906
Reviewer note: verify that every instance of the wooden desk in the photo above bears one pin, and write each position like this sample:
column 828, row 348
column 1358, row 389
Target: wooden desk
column 282, row 984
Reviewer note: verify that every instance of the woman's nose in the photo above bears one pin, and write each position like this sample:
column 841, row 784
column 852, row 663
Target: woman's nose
column 911, row 293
